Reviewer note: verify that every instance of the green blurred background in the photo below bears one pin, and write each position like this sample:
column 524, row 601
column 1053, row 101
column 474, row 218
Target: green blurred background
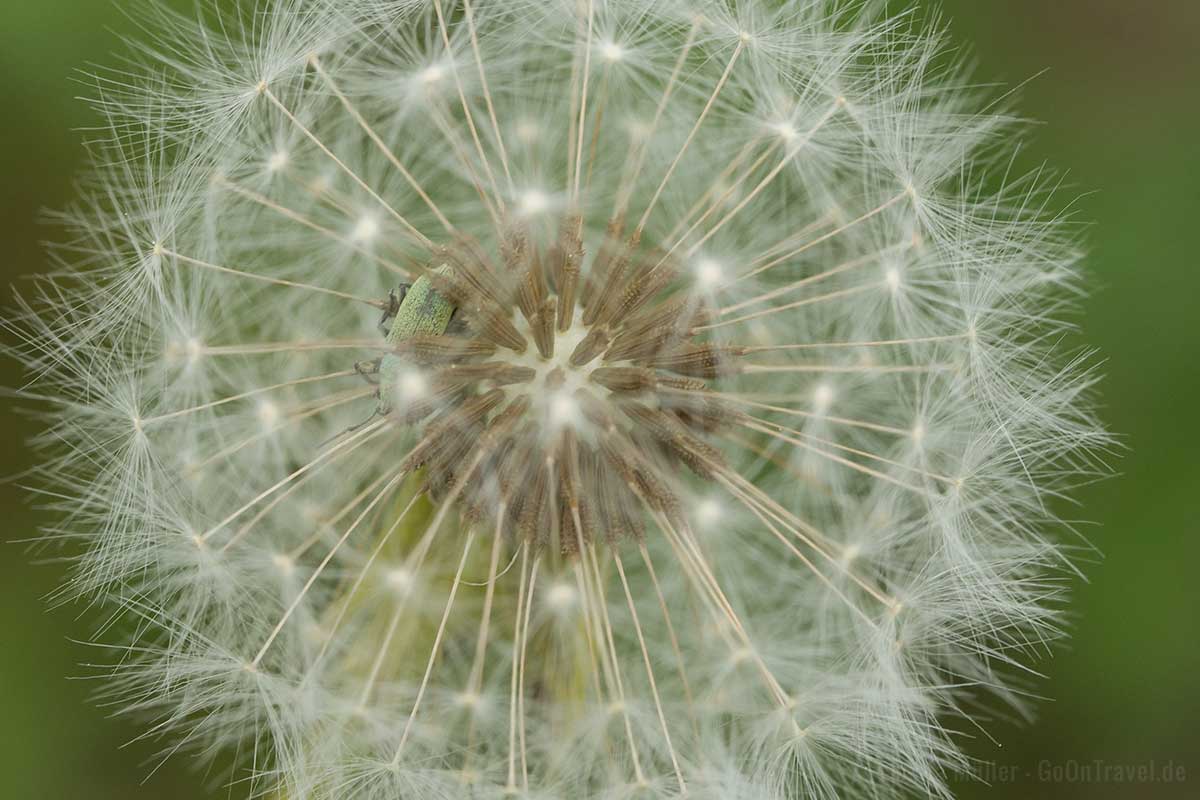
column 1120, row 97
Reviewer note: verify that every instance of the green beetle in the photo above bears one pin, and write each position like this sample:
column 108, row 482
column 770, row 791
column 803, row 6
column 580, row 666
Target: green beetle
column 415, row 310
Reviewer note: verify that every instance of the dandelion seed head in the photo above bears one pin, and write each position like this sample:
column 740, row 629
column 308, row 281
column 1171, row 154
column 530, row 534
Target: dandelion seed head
column 534, row 201
column 822, row 397
column 398, row 578
column 366, row 229
column 268, row 413
column 708, row 511
column 613, row 399
column 561, row 597
column 528, row 131
column 283, row 563
column 891, row 276
column 277, row 161
column 709, row 273
column 785, row 131
column 412, row 385
column 611, row 51
column 432, row 74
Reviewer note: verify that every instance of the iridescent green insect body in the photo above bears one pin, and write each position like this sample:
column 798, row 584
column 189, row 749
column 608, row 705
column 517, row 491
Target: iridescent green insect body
column 422, row 311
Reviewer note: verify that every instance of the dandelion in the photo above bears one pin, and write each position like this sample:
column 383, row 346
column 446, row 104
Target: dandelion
column 583, row 398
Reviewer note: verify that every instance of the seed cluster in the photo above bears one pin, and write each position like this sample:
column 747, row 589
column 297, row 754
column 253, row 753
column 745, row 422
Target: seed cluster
column 571, row 401
column 710, row 445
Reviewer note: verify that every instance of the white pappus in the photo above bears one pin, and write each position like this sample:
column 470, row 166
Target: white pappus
column 732, row 476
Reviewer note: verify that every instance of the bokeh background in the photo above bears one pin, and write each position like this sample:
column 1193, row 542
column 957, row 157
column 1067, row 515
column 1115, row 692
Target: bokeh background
column 1117, row 84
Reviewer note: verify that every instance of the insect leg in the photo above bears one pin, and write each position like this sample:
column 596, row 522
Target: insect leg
column 395, row 298
column 369, row 370
column 458, row 325
column 356, row 427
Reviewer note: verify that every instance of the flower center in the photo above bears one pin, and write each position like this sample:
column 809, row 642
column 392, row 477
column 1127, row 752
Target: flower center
column 560, row 401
